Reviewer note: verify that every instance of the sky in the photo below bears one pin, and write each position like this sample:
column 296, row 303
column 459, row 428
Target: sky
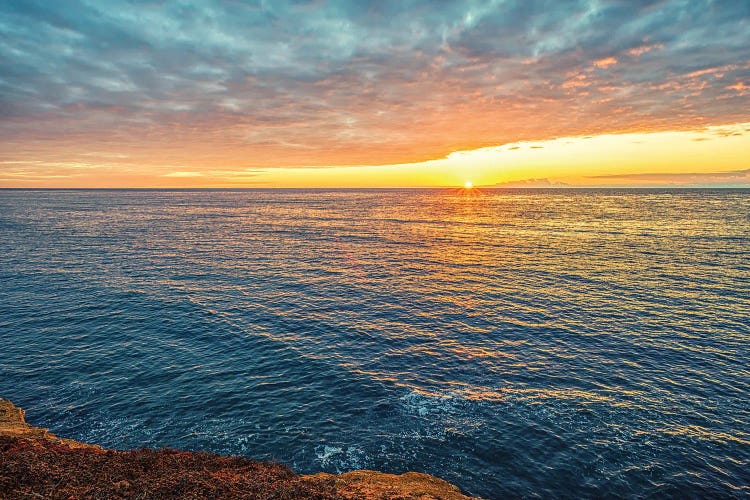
column 511, row 93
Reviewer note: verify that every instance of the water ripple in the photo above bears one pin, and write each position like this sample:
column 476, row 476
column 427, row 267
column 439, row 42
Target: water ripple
column 519, row 343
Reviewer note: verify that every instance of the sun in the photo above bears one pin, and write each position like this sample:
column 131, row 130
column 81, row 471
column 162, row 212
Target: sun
column 468, row 185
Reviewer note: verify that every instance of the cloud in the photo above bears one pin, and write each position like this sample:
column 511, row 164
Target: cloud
column 183, row 174
column 643, row 49
column 730, row 178
column 323, row 83
column 531, row 183
column 739, row 87
column 606, row 62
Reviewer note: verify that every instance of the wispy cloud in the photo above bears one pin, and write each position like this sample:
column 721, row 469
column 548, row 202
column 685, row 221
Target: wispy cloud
column 531, row 183
column 288, row 83
column 733, row 177
column 605, row 62
column 183, row 174
column 643, row 49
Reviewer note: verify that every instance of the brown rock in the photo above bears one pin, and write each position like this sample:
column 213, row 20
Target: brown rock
column 13, row 423
column 34, row 462
column 372, row 484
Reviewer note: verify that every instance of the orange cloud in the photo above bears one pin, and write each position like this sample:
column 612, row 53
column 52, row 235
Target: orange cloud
column 576, row 81
column 740, row 87
column 605, row 62
column 639, row 51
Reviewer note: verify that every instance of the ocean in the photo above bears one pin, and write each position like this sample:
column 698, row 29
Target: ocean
column 527, row 343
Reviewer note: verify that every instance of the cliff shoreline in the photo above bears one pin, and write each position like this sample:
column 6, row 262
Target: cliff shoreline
column 34, row 462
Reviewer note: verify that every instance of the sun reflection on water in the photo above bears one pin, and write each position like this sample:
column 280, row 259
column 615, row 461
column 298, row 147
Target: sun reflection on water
column 430, row 328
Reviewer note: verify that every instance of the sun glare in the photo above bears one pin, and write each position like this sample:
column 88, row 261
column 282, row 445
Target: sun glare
column 468, row 184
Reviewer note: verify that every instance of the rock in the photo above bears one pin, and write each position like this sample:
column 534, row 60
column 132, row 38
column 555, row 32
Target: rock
column 13, row 423
column 376, row 485
column 89, row 470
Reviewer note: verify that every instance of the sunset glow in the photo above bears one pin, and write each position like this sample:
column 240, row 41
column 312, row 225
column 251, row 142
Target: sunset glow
column 298, row 94
column 448, row 249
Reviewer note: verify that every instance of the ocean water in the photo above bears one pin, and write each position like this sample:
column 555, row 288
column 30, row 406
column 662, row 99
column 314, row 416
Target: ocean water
column 530, row 343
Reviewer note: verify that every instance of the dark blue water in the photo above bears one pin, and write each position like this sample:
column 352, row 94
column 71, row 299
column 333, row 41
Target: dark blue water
column 528, row 343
